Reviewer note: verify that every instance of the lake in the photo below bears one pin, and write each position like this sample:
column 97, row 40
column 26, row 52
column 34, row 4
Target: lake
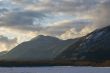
column 56, row 69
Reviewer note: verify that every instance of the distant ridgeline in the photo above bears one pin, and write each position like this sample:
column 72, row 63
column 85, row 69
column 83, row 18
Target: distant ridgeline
column 90, row 50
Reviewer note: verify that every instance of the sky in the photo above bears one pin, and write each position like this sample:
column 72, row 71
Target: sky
column 22, row 20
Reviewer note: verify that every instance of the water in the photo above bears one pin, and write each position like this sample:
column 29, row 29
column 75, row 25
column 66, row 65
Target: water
column 56, row 69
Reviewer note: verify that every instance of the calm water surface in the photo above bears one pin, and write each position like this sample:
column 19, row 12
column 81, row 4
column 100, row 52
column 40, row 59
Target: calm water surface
column 56, row 69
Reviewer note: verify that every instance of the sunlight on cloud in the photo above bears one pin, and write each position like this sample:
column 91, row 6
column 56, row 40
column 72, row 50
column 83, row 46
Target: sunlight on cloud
column 87, row 16
column 6, row 43
column 59, row 23
column 34, row 8
column 72, row 33
column 20, row 35
column 25, row 36
column 3, row 47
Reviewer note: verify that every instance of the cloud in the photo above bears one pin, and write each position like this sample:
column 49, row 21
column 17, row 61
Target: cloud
column 102, row 15
column 56, row 6
column 7, row 43
column 25, row 1
column 71, row 7
column 3, row 11
column 73, row 33
column 101, row 18
column 19, row 34
column 21, row 20
column 65, row 25
column 25, row 19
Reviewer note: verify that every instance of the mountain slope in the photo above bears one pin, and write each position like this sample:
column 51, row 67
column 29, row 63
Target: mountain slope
column 39, row 48
column 2, row 53
column 94, row 46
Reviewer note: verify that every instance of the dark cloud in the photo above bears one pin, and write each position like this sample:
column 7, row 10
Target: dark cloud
column 7, row 40
column 22, row 20
column 65, row 6
column 3, row 10
column 71, row 6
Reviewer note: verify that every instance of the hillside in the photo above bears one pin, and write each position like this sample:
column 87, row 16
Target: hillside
column 94, row 46
column 91, row 50
column 39, row 48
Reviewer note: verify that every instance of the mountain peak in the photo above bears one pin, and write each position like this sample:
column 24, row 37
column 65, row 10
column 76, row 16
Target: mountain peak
column 43, row 37
column 40, row 36
column 94, row 46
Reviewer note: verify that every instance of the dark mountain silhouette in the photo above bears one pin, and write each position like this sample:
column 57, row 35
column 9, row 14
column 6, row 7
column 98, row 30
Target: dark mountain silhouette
column 93, row 47
column 3, row 53
column 39, row 48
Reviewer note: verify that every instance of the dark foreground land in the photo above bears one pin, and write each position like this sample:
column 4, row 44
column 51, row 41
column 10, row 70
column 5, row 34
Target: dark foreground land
column 55, row 63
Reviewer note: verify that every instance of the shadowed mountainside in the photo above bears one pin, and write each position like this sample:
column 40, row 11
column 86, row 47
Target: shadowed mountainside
column 92, row 50
column 94, row 46
column 39, row 48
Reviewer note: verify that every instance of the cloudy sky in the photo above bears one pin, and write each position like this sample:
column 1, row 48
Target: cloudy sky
column 21, row 20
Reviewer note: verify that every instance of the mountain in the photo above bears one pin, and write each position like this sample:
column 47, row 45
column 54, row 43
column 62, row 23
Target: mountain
column 39, row 48
column 94, row 46
column 3, row 53
column 46, row 50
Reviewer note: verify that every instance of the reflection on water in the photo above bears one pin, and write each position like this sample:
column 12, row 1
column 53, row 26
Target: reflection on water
column 58, row 69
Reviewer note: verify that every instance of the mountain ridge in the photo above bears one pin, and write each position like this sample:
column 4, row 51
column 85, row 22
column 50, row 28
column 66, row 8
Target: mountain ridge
column 93, row 47
column 39, row 48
